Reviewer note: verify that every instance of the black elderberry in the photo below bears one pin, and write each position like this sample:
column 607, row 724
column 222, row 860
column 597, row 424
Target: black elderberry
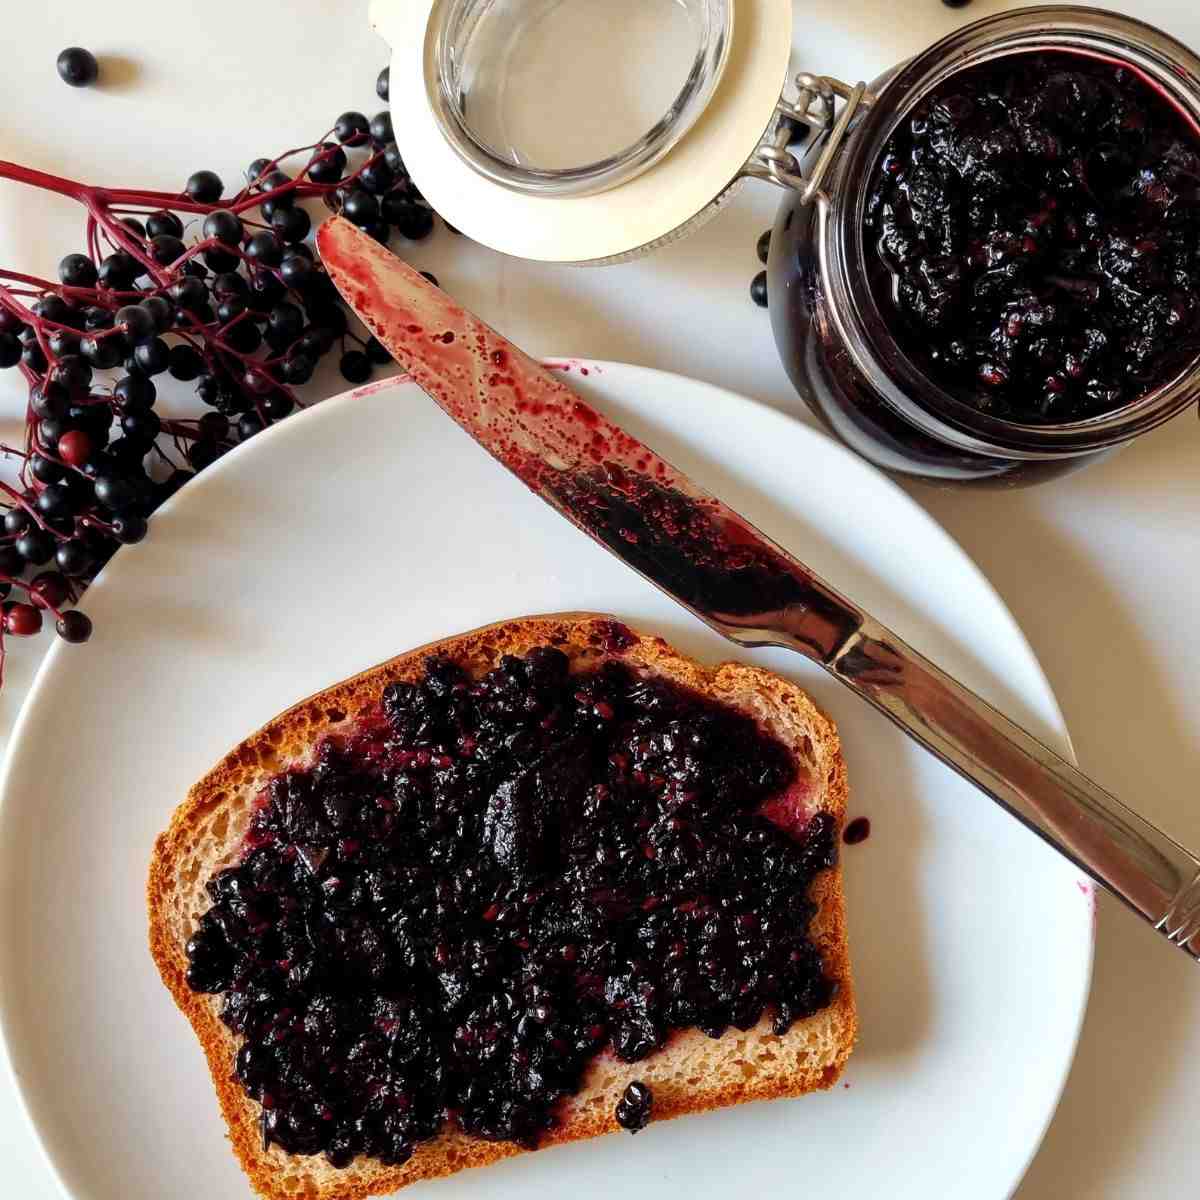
column 129, row 528
column 297, row 368
column 351, row 129
column 135, row 392
column 164, row 224
column 152, row 356
column 265, row 291
column 328, row 163
column 221, row 261
column 189, row 292
column 203, row 453
column 360, row 207
column 265, row 248
column 185, row 362
column 115, row 491
column 167, row 249
column 35, row 546
column 73, row 626
column 162, row 313
column 78, row 68
column 633, row 1109
column 49, row 399
column 205, row 187
column 102, row 353
column 412, row 221
column 53, row 308
column 77, row 270
column 377, row 177
column 141, row 427
column 257, row 169
column 356, row 366
column 136, row 321
column 63, row 342
column 291, row 224
column 225, row 226
column 118, row 271
column 96, row 319
column 73, row 557
column 45, row 470
column 296, row 270
column 248, row 425
column 286, row 320
column 74, row 372
column 278, row 405
column 393, row 158
column 55, row 501
column 17, row 520
column 244, row 337
column 380, row 129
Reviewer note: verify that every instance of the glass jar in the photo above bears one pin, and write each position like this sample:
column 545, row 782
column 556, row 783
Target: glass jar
column 583, row 131
column 836, row 343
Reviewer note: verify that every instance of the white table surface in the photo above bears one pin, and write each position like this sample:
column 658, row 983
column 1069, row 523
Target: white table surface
column 1101, row 569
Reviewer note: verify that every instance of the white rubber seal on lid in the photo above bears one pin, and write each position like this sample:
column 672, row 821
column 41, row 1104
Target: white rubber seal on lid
column 633, row 216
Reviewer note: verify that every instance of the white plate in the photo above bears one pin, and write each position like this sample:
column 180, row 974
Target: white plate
column 372, row 524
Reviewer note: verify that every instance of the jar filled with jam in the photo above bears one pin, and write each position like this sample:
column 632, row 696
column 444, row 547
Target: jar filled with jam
column 994, row 273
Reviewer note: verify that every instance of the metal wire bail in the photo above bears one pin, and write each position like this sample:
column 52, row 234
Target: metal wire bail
column 815, row 107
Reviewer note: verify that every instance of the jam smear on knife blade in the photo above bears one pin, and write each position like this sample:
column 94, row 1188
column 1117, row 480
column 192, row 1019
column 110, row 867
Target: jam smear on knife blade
column 609, row 484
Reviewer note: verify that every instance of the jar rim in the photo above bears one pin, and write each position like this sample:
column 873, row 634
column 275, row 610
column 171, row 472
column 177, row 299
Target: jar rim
column 1167, row 64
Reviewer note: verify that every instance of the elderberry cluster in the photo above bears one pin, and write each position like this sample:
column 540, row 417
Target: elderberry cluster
column 221, row 291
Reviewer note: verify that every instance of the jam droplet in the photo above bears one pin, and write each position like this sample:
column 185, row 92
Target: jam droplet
column 857, row 831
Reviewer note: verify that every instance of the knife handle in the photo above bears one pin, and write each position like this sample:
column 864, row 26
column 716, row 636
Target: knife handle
column 1120, row 850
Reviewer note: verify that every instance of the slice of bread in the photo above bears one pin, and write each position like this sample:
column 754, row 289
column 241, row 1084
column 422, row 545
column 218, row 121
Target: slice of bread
column 690, row 1074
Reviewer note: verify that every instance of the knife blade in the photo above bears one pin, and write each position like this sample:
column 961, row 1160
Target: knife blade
column 709, row 558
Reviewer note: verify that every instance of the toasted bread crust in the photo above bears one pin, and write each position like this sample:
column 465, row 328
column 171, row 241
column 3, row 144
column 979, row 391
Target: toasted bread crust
column 185, row 855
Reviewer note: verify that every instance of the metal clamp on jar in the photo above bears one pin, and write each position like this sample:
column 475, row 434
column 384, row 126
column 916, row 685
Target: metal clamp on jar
column 577, row 132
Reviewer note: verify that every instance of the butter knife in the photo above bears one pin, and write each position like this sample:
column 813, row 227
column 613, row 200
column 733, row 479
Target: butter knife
column 746, row 587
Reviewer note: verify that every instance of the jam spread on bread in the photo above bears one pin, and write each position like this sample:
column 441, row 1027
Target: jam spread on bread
column 1038, row 228
column 450, row 913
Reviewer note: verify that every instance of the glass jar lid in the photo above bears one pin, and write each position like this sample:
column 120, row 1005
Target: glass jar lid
column 570, row 97
column 582, row 130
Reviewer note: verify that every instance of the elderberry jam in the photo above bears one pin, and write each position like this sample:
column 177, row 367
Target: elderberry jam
column 997, row 279
column 1037, row 222
column 452, row 912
